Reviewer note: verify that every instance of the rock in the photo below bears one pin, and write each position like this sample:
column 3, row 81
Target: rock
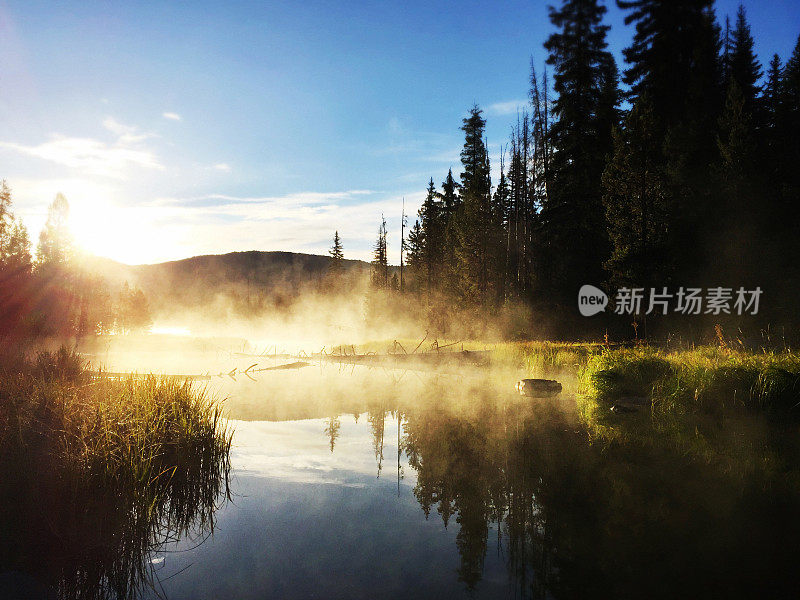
column 538, row 388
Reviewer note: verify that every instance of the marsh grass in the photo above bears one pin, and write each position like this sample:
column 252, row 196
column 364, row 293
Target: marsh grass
column 97, row 472
column 701, row 380
column 549, row 357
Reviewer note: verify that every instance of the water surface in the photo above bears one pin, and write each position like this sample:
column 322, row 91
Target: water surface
column 356, row 483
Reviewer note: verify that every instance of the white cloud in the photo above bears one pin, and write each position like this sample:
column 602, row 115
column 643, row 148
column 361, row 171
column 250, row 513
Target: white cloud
column 89, row 155
column 295, row 199
column 301, row 222
column 95, row 157
column 111, row 218
column 127, row 134
column 171, row 116
column 223, row 167
column 506, row 108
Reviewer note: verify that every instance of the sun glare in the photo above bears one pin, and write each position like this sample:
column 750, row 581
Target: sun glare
column 102, row 228
column 171, row 330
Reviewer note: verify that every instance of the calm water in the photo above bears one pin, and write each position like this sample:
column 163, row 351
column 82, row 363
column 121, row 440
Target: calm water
column 361, row 484
column 357, row 483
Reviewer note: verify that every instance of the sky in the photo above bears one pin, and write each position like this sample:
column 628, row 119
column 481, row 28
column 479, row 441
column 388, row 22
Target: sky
column 178, row 129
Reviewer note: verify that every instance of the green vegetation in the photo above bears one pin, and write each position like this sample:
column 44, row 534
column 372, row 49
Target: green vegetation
column 672, row 187
column 98, row 472
column 550, row 357
column 701, row 380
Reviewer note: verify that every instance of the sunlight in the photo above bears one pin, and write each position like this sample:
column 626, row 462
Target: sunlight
column 102, row 228
column 170, row 330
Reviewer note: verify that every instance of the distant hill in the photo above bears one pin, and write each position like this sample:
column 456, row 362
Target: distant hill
column 272, row 277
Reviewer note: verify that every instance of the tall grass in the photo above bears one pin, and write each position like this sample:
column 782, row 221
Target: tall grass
column 701, row 380
column 545, row 357
column 97, row 473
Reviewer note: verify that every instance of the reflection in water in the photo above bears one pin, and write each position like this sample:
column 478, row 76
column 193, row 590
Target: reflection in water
column 376, row 417
column 496, row 496
column 332, row 427
column 500, row 496
column 93, row 533
column 637, row 517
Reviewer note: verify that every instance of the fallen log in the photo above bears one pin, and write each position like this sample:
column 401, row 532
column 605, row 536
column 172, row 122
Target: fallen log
column 426, row 360
column 294, row 365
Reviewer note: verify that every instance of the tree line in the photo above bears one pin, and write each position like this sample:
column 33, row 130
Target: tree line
column 53, row 295
column 680, row 170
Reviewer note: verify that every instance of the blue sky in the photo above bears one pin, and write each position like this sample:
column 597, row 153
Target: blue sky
column 186, row 128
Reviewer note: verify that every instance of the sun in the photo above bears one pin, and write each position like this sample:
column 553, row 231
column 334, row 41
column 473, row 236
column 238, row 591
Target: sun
column 103, row 228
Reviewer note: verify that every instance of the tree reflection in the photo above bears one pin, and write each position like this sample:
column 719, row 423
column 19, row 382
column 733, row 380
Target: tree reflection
column 376, row 417
column 632, row 516
column 332, row 426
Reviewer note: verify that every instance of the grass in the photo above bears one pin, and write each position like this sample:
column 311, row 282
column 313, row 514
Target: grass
column 701, row 380
column 99, row 472
column 551, row 357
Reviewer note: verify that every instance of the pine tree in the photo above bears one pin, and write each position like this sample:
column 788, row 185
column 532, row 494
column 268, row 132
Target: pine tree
column 451, row 200
column 674, row 61
column 476, row 233
column 726, row 52
column 431, row 240
column 585, row 111
column 736, row 141
column 791, row 81
column 517, row 247
column 15, row 246
column 15, row 267
column 380, row 264
column 55, row 240
column 743, row 67
column 475, row 182
column 501, row 206
column 637, row 204
column 337, row 256
column 663, row 56
column 772, row 161
column 790, row 112
column 415, row 244
column 5, row 202
column 788, row 175
column 772, row 92
column 133, row 311
column 741, row 188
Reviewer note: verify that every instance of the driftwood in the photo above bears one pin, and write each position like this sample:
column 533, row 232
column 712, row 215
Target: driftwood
column 413, row 361
column 249, row 355
column 294, row 365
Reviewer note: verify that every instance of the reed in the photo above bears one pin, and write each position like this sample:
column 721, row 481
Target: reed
column 98, row 473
